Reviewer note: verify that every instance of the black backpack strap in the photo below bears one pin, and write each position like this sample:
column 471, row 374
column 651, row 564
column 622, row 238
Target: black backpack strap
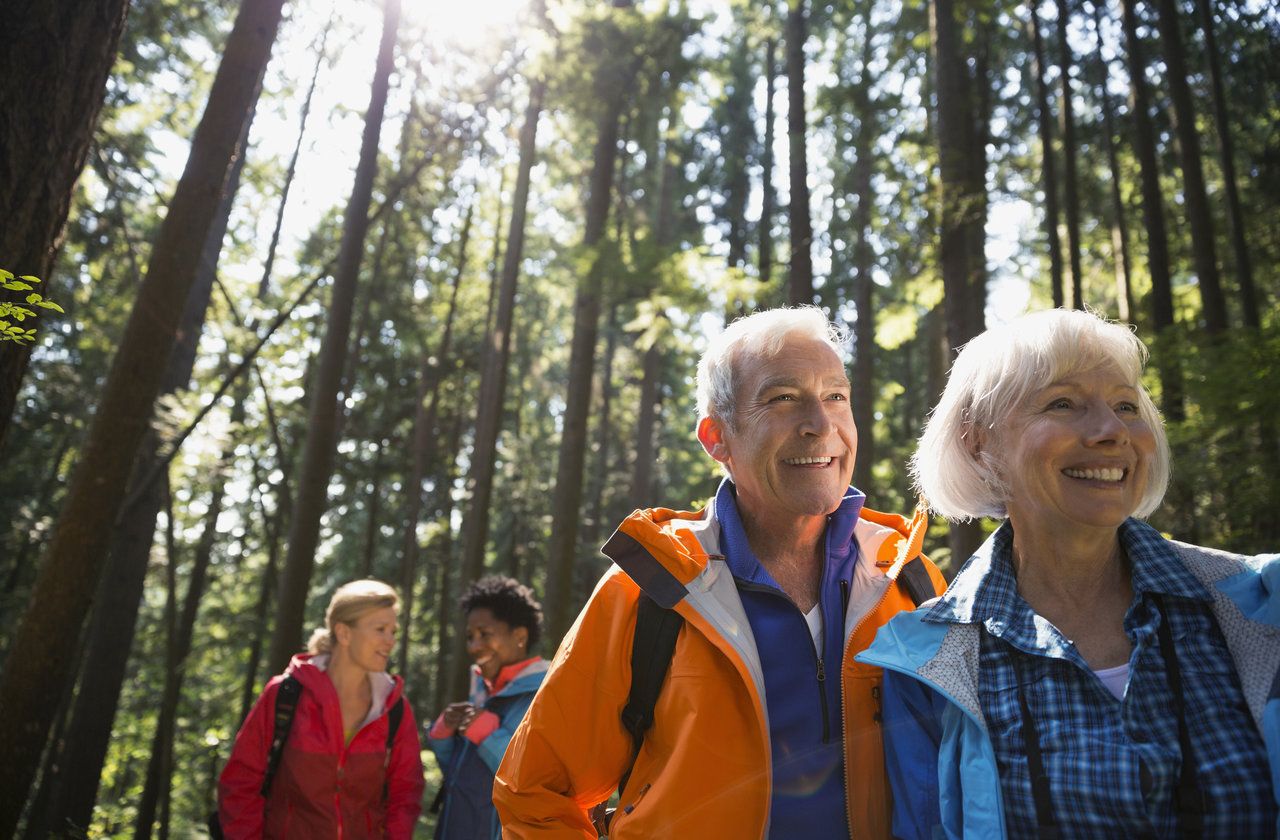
column 394, row 714
column 287, row 694
column 651, row 651
column 915, row 581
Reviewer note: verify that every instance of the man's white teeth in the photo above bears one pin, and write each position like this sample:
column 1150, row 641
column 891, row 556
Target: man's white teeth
column 1110, row 474
column 799, row 462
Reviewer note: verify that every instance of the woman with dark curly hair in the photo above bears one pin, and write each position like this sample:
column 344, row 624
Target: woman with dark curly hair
column 504, row 624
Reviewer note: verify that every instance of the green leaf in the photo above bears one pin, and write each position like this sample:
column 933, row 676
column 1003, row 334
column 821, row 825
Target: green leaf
column 17, row 286
column 5, row 275
column 30, row 278
column 34, row 297
column 48, row 304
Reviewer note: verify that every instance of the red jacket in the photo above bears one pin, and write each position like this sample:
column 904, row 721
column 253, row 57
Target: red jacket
column 323, row 788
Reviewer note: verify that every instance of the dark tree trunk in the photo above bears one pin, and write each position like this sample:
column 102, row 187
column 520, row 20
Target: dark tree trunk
column 373, row 505
column 738, row 136
column 1119, row 223
column 800, row 276
column 271, row 534
column 426, row 437
column 493, row 376
column 63, row 592
column 1144, row 146
column 1044, row 120
column 768, row 199
column 864, row 353
column 1213, row 303
column 1070, row 197
column 962, row 200
column 567, row 501
column 311, row 495
column 646, row 423
column 1226, row 152
column 446, row 688
column 53, row 75
column 599, row 516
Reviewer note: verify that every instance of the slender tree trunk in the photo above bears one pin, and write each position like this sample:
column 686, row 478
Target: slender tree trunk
column 962, row 201
column 1144, row 146
column 567, row 501
column 53, row 75
column 800, row 276
column 1213, row 303
column 426, row 436
column 158, row 768
column 1119, row 224
column 1044, row 120
column 120, row 589
column 646, row 426
column 737, row 140
column 768, row 198
column 446, row 688
column 1226, row 153
column 266, row 586
column 864, row 357
column 373, row 504
column 317, row 464
column 598, row 518
column 1070, row 197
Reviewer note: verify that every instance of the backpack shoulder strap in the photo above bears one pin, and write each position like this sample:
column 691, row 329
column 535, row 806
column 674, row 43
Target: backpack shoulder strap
column 652, row 647
column 394, row 714
column 915, row 581
column 287, row 694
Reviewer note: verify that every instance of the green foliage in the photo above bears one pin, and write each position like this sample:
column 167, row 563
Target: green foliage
column 12, row 314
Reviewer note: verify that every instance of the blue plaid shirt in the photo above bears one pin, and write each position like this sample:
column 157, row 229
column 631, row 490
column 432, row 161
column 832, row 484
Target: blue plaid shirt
column 1113, row 765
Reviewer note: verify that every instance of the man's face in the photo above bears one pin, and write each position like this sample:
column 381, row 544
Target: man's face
column 792, row 448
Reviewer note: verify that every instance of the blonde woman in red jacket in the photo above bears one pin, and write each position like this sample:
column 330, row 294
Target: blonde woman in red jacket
column 337, row 777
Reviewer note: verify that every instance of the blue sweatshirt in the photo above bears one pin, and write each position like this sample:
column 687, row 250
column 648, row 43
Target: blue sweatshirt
column 802, row 688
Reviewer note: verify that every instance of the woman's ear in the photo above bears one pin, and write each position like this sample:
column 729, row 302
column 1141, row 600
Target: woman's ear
column 342, row 633
column 521, row 635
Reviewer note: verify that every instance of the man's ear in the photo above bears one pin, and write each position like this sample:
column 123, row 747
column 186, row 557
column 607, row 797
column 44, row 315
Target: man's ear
column 711, row 436
column 975, row 438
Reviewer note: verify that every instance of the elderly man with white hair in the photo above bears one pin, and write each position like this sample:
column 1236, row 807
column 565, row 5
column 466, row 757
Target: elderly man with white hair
column 1083, row 676
column 764, row 726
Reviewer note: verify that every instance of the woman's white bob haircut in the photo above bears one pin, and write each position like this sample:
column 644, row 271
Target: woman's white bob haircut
column 761, row 336
column 998, row 371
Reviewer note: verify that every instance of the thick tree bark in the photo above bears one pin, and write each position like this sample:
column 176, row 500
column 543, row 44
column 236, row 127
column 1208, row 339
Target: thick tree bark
column 1119, row 220
column 1049, row 176
column 41, row 654
column 1226, row 154
column 312, row 492
column 1144, row 146
column 800, row 276
column 962, row 201
column 1070, row 196
column 567, row 501
column 768, row 198
column 1213, row 303
column 53, row 75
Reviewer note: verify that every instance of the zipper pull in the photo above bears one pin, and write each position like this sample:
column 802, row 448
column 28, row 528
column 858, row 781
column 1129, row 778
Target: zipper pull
column 875, row 697
column 822, row 672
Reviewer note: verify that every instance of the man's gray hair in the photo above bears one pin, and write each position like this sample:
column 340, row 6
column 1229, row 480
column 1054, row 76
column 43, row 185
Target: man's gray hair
column 760, row 335
column 998, row 371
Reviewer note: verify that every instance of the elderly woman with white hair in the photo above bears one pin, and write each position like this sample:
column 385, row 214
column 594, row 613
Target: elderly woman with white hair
column 1083, row 676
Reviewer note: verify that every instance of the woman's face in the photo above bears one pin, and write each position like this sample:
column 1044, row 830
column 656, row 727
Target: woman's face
column 493, row 644
column 1078, row 454
column 370, row 639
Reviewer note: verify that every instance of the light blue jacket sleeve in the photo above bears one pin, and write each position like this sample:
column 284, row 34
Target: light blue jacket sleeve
column 912, row 734
column 492, row 748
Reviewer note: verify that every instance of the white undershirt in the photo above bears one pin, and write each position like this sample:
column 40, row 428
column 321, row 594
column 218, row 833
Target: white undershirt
column 814, row 619
column 1115, row 679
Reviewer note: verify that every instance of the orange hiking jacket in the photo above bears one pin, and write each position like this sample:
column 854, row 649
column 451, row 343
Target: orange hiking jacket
column 704, row 768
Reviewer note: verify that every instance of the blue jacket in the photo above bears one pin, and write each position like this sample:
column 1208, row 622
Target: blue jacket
column 468, row 811
column 955, row 781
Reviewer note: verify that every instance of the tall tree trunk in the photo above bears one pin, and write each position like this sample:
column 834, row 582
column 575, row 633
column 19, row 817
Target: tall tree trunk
column 567, row 501
column 312, row 492
column 426, row 437
column 1070, row 195
column 1213, row 303
column 1119, row 222
column 800, row 276
column 160, row 764
column 493, row 376
column 41, row 654
column 446, row 688
column 373, row 504
column 768, row 198
column 1144, row 146
column 598, row 519
column 53, row 76
column 646, row 423
column 738, row 136
column 266, row 586
column 1226, row 153
column 1044, row 120
column 864, row 357
column 962, row 200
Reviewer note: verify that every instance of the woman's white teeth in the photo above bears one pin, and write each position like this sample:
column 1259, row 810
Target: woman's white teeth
column 799, row 462
column 1111, row 474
